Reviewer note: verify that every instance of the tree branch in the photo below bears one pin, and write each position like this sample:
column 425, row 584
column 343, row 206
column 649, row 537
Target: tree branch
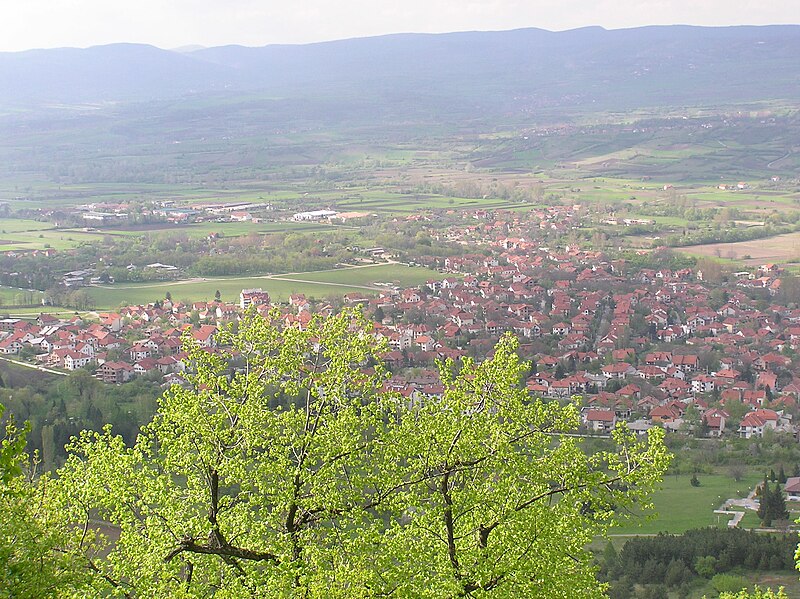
column 227, row 551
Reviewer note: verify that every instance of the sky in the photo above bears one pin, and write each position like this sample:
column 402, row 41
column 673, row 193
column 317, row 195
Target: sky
column 26, row 24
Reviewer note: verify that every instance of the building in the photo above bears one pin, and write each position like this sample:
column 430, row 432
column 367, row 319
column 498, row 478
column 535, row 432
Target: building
column 314, row 215
column 600, row 421
column 252, row 297
column 792, row 487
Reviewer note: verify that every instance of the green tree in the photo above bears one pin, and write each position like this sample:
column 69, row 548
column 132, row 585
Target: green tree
column 706, row 566
column 295, row 475
column 729, row 583
column 771, row 504
column 30, row 567
column 756, row 594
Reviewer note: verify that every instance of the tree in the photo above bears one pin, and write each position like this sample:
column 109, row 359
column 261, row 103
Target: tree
column 296, row 475
column 756, row 594
column 706, row 566
column 772, row 504
column 29, row 565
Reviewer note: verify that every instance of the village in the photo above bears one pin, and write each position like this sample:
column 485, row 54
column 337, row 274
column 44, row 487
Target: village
column 650, row 346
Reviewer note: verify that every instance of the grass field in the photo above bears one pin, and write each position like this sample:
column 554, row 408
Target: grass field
column 39, row 239
column 780, row 249
column 229, row 229
column 320, row 284
column 30, row 313
column 680, row 506
column 14, row 296
column 17, row 225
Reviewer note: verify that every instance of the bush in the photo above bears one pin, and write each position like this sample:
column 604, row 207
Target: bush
column 728, row 583
column 706, row 566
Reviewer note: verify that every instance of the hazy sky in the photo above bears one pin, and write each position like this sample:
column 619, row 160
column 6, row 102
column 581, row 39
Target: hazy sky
column 28, row 24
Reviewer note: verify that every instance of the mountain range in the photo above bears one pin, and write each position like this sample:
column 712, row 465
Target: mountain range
column 472, row 73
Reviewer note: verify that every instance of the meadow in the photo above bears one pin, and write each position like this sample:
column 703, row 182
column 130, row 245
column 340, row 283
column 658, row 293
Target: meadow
column 320, row 284
column 678, row 506
column 224, row 229
column 39, row 239
column 781, row 249
column 13, row 296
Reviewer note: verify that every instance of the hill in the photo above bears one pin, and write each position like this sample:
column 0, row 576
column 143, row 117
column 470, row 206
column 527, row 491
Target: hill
column 506, row 72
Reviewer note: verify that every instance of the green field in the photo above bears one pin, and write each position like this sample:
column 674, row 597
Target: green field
column 11, row 296
column 17, row 225
column 320, row 284
column 680, row 506
column 227, row 229
column 56, row 239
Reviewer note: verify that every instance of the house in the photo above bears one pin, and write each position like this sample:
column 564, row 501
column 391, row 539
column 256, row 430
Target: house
column 756, row 422
column 618, row 370
column 146, row 366
column 687, row 363
column 664, row 414
column 252, row 297
column 74, row 360
column 600, row 421
column 139, row 351
column 115, row 372
column 10, row 346
column 204, row 335
column 715, row 421
column 792, row 487
column 703, row 383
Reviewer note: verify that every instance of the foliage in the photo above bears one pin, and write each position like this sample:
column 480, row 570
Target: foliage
column 706, row 551
column 29, row 565
column 771, row 504
column 59, row 408
column 757, row 593
column 296, row 475
column 728, row 583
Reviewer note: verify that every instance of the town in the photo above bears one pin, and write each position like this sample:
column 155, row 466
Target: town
column 700, row 352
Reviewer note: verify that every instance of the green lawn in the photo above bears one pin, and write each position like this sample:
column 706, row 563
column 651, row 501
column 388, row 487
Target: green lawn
column 679, row 506
column 320, row 284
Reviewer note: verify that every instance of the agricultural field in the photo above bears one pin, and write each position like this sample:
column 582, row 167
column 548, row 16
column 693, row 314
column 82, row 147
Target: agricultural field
column 225, row 229
column 751, row 199
column 21, row 225
column 39, row 239
column 779, row 249
column 679, row 506
column 12, row 296
column 321, row 284
column 388, row 204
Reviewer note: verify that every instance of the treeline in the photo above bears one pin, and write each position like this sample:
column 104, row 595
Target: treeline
column 59, row 408
column 659, row 258
column 677, row 561
column 680, row 206
column 727, row 235
column 125, row 258
column 213, row 266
